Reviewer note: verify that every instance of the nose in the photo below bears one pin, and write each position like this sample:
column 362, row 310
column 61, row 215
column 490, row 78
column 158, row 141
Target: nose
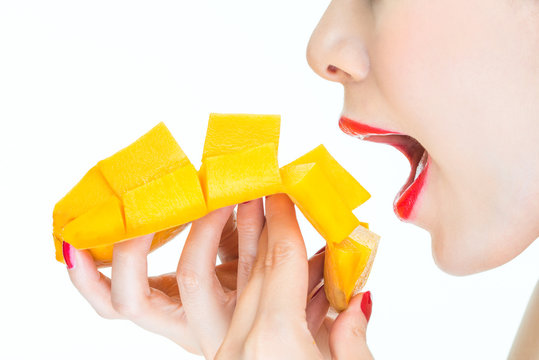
column 337, row 50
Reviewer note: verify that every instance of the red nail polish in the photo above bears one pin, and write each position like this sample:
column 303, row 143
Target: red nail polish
column 68, row 255
column 320, row 251
column 366, row 305
column 246, row 202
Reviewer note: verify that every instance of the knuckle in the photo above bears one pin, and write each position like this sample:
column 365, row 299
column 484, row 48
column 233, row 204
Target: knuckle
column 129, row 309
column 188, row 280
column 106, row 314
column 281, row 253
column 245, row 264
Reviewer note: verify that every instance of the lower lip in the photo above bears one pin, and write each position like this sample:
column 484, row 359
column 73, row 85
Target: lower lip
column 405, row 200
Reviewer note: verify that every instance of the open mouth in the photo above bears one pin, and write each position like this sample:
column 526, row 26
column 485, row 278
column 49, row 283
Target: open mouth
column 410, row 147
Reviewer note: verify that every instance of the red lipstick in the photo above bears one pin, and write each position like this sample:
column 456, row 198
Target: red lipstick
column 417, row 156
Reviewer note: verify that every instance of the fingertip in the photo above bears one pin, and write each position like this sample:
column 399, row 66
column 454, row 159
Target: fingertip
column 348, row 334
column 69, row 256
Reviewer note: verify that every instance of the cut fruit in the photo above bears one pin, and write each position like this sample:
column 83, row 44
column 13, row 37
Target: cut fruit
column 348, row 188
column 173, row 199
column 103, row 254
column 92, row 190
column 151, row 187
column 153, row 155
column 101, row 225
column 326, row 211
column 347, row 266
column 152, row 176
column 241, row 176
column 229, row 133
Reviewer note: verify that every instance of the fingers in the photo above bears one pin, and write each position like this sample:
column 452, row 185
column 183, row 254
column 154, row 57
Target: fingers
column 286, row 268
column 130, row 288
column 316, row 271
column 250, row 223
column 317, row 308
column 247, row 305
column 93, row 286
column 347, row 339
column 228, row 246
column 318, row 305
column 202, row 296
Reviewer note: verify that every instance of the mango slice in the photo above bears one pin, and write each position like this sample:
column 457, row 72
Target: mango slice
column 347, row 266
column 326, row 211
column 153, row 155
column 173, row 199
column 101, row 225
column 239, row 161
column 229, row 133
column 150, row 172
column 151, row 187
column 348, row 188
column 91, row 190
column 241, row 176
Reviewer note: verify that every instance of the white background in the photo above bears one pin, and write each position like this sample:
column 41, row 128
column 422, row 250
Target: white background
column 80, row 80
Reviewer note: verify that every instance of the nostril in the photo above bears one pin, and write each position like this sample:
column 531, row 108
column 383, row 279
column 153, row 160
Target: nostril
column 332, row 69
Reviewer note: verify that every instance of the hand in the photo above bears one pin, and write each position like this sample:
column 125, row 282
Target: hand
column 273, row 319
column 155, row 303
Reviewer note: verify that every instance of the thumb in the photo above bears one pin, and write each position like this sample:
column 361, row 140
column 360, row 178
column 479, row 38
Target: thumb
column 347, row 339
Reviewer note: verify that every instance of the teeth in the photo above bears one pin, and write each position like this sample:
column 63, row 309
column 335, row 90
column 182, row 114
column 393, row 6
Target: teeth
column 421, row 164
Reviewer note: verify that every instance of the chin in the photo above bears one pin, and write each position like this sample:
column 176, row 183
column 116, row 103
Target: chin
column 452, row 256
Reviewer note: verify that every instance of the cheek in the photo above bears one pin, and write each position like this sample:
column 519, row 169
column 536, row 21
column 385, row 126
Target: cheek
column 423, row 52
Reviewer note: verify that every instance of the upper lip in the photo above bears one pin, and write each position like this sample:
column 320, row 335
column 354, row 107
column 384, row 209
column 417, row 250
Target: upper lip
column 406, row 144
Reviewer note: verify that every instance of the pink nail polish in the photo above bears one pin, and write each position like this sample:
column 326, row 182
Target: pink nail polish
column 366, row 305
column 67, row 251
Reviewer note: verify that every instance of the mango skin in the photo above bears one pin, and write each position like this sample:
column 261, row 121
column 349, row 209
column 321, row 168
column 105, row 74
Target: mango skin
column 347, row 266
column 103, row 254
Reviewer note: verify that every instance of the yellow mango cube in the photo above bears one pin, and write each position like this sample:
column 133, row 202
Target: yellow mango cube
column 172, row 199
column 312, row 192
column 90, row 191
column 101, row 225
column 241, row 176
column 229, row 133
column 346, row 185
column 153, row 155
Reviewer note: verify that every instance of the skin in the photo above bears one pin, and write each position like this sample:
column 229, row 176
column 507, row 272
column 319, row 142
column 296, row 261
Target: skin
column 230, row 312
column 460, row 76
column 463, row 79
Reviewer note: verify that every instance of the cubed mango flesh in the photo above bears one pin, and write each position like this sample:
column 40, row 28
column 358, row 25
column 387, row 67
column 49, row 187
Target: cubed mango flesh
column 326, row 210
column 152, row 187
column 241, row 176
column 229, row 133
column 346, row 185
column 172, row 199
column 347, row 266
column 153, row 155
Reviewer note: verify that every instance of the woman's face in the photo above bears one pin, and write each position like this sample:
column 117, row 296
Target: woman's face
column 462, row 78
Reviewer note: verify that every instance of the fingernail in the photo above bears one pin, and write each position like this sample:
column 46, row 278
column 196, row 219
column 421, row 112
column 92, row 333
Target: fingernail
column 321, row 250
column 366, row 305
column 67, row 250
